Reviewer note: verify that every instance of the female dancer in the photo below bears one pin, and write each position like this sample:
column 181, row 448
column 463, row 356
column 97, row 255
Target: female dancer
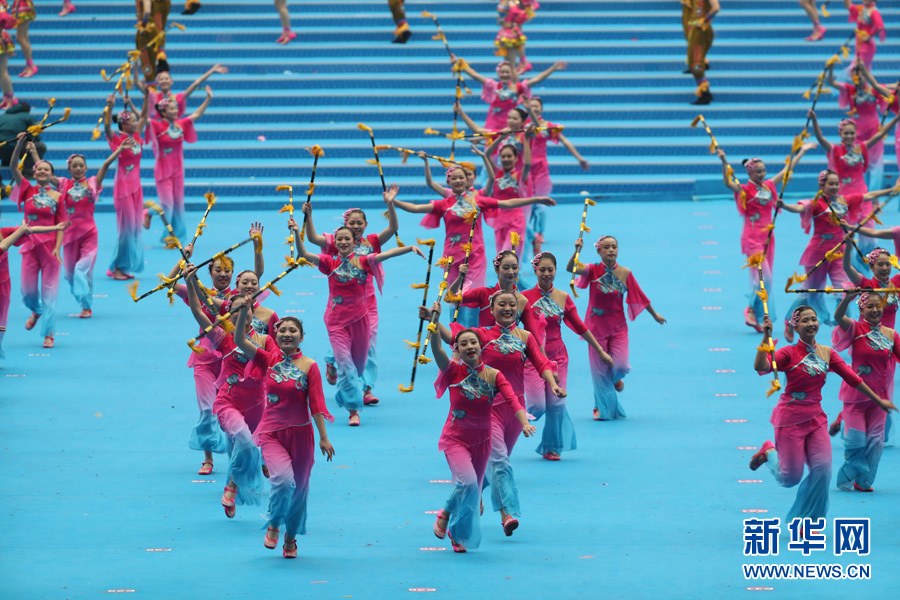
column 207, row 435
column 469, row 169
column 873, row 347
column 850, row 160
column 128, row 195
column 820, row 213
column 515, row 121
column 756, row 203
column 239, row 401
column 512, row 14
column 455, row 210
column 540, row 168
column 7, row 49
column 346, row 317
column 40, row 252
column 868, row 25
column 884, row 92
column 801, row 434
column 864, row 107
column 506, row 348
column 505, row 94
column 169, row 134
column 550, row 307
column 25, row 14
column 466, row 436
column 263, row 320
column 512, row 183
column 809, row 6
column 164, row 83
column 355, row 219
column 293, row 388
column 79, row 195
column 609, row 284
column 13, row 236
column 506, row 266
column 879, row 261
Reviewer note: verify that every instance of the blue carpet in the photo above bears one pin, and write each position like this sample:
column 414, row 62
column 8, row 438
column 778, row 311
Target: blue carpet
column 97, row 471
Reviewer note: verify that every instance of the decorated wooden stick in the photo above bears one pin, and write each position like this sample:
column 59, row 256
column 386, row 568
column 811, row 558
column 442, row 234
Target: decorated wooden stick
column 489, row 135
column 316, row 151
column 457, row 298
column 852, row 290
column 432, row 327
column 768, row 345
column 210, row 202
column 380, row 172
column 39, row 128
column 289, row 209
column 406, row 152
column 714, row 145
column 584, row 228
column 222, row 319
column 171, row 240
column 424, row 287
column 167, row 282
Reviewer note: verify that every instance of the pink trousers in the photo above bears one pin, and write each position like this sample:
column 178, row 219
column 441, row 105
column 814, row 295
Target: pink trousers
column 351, row 347
column 289, row 455
column 39, row 262
column 808, row 443
column 79, row 256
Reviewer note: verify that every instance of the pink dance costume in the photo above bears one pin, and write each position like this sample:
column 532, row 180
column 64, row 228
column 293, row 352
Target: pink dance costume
column 128, row 198
column 294, row 396
column 826, row 235
column 80, row 238
column 801, row 427
column 367, row 245
column 456, row 213
column 347, row 321
column 851, row 165
column 239, row 407
column 514, row 15
column 169, row 170
column 756, row 208
column 506, row 349
column 207, row 434
column 864, row 107
column 610, row 290
column 180, row 99
column 551, row 309
column 867, row 20
column 501, row 99
column 889, row 314
column 43, row 206
column 507, row 221
column 874, row 352
column 480, row 298
column 540, row 168
column 466, row 441
column 5, row 284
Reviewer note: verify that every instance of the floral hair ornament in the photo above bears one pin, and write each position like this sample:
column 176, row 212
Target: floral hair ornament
column 537, row 259
column 453, row 168
column 872, row 256
column 843, row 124
column 862, row 300
column 350, row 211
column 73, row 157
column 751, row 164
column 599, row 241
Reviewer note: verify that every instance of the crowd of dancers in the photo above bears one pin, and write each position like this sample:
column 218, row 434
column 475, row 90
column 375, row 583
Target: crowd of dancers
column 262, row 401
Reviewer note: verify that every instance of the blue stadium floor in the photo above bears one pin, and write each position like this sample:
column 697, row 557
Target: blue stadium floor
column 100, row 493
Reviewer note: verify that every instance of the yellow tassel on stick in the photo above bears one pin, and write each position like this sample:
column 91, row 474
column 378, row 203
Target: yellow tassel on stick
column 405, row 389
column 132, row 289
column 776, row 385
column 419, row 286
column 754, row 260
column 767, row 348
column 415, row 345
